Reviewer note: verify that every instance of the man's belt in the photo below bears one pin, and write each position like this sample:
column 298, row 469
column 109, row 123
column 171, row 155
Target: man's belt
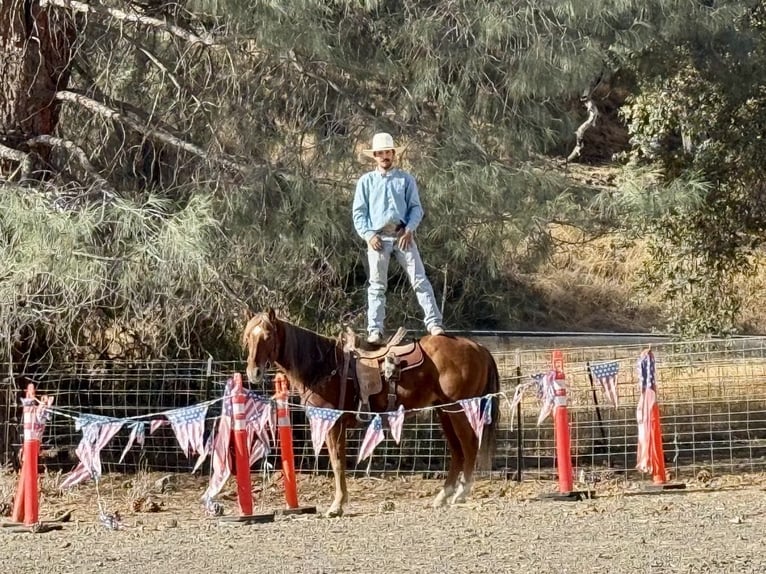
column 392, row 229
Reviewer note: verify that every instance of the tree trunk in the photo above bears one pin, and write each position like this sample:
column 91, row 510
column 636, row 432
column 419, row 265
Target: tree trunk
column 35, row 54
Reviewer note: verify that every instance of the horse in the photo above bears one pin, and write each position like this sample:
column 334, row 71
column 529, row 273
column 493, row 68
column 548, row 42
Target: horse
column 453, row 368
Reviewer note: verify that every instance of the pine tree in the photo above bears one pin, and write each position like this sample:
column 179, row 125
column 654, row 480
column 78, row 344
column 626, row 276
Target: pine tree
column 199, row 158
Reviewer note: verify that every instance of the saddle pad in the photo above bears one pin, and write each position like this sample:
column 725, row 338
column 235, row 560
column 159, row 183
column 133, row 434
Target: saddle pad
column 410, row 356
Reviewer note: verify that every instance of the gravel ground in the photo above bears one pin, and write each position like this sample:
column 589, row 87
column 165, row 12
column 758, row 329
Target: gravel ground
column 717, row 526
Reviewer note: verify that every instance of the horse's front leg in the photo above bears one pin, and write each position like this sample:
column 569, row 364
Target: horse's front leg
column 336, row 445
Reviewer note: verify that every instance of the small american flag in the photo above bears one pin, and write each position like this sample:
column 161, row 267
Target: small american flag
column 189, row 425
column 648, row 385
column 258, row 450
column 97, row 431
column 220, row 464
column 221, row 468
column 259, row 417
column 476, row 414
column 545, row 392
column 518, row 395
column 396, row 422
column 321, row 421
column 137, row 434
column 606, row 375
column 372, row 438
column 42, row 414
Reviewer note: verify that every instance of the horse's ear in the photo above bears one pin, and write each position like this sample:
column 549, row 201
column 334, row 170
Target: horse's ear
column 247, row 314
column 272, row 315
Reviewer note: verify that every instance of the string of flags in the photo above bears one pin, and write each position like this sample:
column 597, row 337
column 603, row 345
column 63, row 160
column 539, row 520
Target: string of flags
column 188, row 424
column 478, row 410
column 544, row 383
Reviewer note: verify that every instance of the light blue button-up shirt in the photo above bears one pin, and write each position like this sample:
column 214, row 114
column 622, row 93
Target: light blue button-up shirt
column 386, row 198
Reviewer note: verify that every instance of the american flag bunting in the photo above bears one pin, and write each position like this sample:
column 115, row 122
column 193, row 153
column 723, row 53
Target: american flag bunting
column 189, row 426
column 545, row 392
column 259, row 415
column 137, row 434
column 518, row 395
column 647, row 385
column 221, row 469
column 97, row 431
column 42, row 414
column 396, row 422
column 606, row 375
column 372, row 438
column 475, row 414
column 321, row 421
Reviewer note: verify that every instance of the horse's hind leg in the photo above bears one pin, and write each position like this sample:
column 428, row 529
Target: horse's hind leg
column 470, row 448
column 456, row 459
column 336, row 445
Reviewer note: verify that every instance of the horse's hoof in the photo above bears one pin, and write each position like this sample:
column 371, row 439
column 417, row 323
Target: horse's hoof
column 458, row 499
column 461, row 493
column 334, row 513
column 440, row 499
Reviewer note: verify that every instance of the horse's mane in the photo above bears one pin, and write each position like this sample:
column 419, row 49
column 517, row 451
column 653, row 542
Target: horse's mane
column 312, row 357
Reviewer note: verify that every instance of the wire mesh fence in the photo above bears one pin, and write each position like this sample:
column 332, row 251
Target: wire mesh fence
column 712, row 397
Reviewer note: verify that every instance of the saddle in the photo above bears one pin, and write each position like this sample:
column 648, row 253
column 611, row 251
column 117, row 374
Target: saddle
column 387, row 362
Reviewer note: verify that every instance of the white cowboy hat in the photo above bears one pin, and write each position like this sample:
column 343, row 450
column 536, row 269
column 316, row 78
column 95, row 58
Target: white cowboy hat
column 381, row 142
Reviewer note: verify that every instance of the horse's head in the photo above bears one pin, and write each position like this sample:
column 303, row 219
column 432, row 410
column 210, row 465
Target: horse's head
column 262, row 341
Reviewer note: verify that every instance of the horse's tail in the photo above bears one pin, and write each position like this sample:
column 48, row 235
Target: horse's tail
column 489, row 436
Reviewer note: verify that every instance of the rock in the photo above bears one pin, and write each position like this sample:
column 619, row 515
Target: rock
column 386, row 506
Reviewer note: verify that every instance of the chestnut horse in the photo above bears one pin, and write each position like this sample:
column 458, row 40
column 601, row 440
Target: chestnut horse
column 454, row 368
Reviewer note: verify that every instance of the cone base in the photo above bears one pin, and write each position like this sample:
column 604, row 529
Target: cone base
column 664, row 486
column 40, row 528
column 571, row 496
column 295, row 511
column 245, row 520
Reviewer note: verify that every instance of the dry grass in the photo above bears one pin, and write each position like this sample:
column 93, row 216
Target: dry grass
column 593, row 283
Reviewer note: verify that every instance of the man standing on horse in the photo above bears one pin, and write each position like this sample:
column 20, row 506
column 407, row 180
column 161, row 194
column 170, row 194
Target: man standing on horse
column 386, row 213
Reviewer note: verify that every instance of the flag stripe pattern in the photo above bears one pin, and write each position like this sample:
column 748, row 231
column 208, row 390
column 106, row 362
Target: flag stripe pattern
column 546, row 393
column 372, row 438
column 472, row 409
column 189, row 426
column 396, row 422
column 137, row 434
column 606, row 375
column 647, row 385
column 321, row 421
column 96, row 433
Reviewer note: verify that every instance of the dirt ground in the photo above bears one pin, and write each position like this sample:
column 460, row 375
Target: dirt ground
column 714, row 526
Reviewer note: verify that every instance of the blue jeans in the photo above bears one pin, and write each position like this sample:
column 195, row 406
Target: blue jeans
column 410, row 261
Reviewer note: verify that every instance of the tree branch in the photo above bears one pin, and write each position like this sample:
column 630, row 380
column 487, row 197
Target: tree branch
column 85, row 8
column 79, row 153
column 154, row 133
column 590, row 105
column 25, row 159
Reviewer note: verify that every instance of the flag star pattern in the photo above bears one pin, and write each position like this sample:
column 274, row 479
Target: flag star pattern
column 606, row 375
column 189, row 426
column 647, row 400
column 321, row 421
